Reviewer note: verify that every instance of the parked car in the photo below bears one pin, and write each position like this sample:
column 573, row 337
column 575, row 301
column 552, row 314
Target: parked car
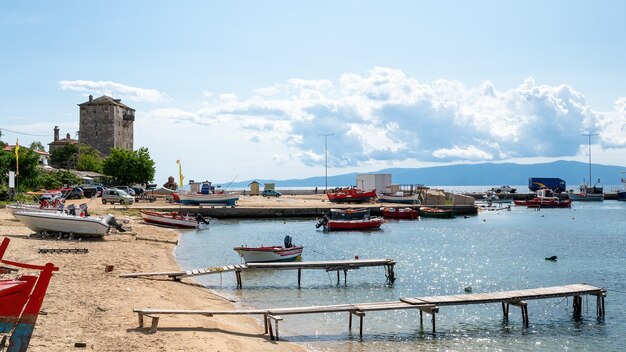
column 270, row 193
column 114, row 195
column 72, row 192
column 126, row 189
column 138, row 191
column 504, row 189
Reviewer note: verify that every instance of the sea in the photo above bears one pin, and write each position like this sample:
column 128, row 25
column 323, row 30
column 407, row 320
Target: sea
column 499, row 249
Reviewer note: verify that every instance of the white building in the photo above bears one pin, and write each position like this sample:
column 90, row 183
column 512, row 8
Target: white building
column 380, row 182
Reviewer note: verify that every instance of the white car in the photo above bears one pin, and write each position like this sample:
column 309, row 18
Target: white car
column 504, row 189
column 114, row 195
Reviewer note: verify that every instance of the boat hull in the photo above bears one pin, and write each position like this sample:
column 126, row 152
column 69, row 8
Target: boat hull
column 387, row 198
column 581, row 197
column 549, row 203
column 351, row 196
column 345, row 225
column 269, row 254
column 436, row 213
column 621, row 195
column 397, row 213
column 229, row 199
column 169, row 219
column 88, row 226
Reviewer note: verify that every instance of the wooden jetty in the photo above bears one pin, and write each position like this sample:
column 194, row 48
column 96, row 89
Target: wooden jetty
column 332, row 265
column 429, row 305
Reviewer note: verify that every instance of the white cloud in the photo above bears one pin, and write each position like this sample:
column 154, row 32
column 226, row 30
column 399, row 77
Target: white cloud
column 114, row 89
column 387, row 116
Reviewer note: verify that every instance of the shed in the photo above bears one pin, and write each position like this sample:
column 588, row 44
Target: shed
column 380, row 182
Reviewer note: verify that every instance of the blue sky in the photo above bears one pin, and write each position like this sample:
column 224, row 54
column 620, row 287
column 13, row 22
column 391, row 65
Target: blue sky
column 245, row 88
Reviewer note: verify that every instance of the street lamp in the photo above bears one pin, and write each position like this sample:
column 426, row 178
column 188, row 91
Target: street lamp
column 326, row 157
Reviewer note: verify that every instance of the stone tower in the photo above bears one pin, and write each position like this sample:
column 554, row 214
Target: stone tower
column 106, row 123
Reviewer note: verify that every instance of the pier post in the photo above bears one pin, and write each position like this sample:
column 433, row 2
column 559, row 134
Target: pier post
column 239, row 282
column 299, row 276
column 345, row 277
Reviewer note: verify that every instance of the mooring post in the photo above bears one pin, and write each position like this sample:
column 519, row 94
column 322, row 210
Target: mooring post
column 345, row 277
column 338, row 279
column 299, row 276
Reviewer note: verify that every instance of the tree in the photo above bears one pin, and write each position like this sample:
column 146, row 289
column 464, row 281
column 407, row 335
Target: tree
column 129, row 167
column 37, row 146
column 89, row 159
column 64, row 157
column 56, row 179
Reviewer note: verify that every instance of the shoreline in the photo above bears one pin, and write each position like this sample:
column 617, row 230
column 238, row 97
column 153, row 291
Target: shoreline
column 85, row 304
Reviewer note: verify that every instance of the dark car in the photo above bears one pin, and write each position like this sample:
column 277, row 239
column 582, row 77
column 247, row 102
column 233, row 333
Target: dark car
column 72, row 192
column 139, row 191
column 270, row 193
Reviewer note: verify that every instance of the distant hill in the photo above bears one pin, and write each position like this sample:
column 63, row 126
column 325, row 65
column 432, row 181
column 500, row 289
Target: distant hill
column 573, row 172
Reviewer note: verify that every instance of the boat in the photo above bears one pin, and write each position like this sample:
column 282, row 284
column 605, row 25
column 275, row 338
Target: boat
column 187, row 198
column 265, row 254
column 348, row 213
column 399, row 197
column 621, row 195
column 174, row 219
column 400, row 213
column 429, row 212
column 491, row 197
column 586, row 192
column 351, row 195
column 79, row 225
column 367, row 223
column 20, row 301
column 545, row 198
column 48, row 203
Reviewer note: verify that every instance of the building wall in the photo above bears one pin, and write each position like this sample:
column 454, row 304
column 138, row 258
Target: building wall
column 102, row 126
column 368, row 182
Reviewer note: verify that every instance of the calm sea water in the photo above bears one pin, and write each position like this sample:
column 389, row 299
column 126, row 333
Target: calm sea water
column 496, row 250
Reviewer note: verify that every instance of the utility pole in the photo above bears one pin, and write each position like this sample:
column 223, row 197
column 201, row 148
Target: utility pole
column 326, row 157
column 589, row 136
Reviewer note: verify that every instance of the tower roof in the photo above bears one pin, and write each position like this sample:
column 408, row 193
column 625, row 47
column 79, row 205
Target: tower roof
column 105, row 100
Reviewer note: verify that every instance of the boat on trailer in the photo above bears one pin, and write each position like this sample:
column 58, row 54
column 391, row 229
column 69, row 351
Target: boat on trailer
column 174, row 219
column 351, row 195
column 265, row 254
column 76, row 224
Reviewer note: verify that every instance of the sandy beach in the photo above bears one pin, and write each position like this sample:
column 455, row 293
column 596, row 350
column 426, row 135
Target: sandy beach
column 85, row 304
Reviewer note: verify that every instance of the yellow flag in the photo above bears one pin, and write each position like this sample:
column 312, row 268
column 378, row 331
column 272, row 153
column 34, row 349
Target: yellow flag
column 180, row 174
column 17, row 157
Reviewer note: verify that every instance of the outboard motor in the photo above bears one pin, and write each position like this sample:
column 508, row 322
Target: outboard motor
column 83, row 209
column 71, row 209
column 322, row 222
column 113, row 223
column 201, row 219
column 287, row 241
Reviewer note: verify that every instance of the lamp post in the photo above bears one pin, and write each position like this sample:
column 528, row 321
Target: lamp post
column 589, row 135
column 326, row 158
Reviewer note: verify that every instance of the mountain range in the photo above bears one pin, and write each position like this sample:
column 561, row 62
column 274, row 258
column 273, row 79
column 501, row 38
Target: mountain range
column 573, row 172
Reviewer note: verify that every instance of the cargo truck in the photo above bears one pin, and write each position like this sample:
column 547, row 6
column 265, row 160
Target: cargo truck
column 553, row 183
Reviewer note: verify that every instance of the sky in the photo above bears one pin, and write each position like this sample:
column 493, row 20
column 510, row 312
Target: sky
column 241, row 90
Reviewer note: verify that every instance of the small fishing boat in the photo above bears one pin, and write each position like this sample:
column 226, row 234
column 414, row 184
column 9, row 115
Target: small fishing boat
column 174, row 219
column 79, row 225
column 351, row 195
column 400, row 198
column 265, row 254
column 367, row 223
column 587, row 194
column 20, row 302
column 400, row 213
column 187, row 198
column 348, row 213
column 545, row 198
column 429, row 212
column 48, row 203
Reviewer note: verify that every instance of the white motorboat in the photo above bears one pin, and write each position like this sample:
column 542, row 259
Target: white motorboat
column 174, row 219
column 266, row 254
column 75, row 225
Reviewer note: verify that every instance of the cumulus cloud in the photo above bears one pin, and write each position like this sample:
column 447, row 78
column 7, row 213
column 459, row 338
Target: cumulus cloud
column 386, row 115
column 114, row 89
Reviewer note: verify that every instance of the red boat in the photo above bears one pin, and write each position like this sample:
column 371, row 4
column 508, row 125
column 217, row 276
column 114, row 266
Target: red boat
column 351, row 195
column 21, row 300
column 545, row 198
column 400, row 213
column 360, row 224
column 174, row 219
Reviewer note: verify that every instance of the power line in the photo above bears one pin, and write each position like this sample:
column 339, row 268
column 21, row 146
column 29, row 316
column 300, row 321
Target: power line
column 24, row 133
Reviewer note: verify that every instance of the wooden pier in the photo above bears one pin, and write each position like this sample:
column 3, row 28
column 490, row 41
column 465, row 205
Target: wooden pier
column 333, row 265
column 429, row 305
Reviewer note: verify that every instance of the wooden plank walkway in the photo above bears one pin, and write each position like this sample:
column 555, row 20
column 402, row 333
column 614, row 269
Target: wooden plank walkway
column 332, row 265
column 428, row 304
